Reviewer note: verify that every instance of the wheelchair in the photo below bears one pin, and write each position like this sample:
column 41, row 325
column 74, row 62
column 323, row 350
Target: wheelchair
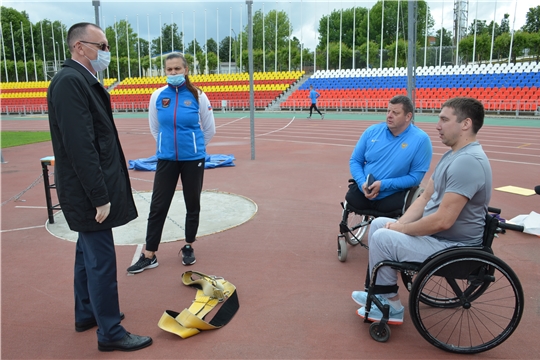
column 354, row 222
column 461, row 299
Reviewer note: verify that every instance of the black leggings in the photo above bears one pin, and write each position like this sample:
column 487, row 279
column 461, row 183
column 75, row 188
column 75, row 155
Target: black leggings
column 314, row 106
column 191, row 174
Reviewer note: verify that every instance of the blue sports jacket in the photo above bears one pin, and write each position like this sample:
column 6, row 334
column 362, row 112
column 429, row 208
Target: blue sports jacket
column 181, row 126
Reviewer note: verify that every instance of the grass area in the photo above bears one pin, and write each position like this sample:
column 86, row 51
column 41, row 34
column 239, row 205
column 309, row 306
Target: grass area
column 16, row 138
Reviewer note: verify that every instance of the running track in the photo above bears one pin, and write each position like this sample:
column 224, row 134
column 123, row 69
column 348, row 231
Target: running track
column 294, row 293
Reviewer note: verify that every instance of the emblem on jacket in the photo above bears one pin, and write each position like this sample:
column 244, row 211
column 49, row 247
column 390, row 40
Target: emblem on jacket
column 165, row 102
column 404, row 145
column 187, row 102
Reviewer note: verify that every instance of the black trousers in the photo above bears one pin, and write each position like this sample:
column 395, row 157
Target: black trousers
column 314, row 106
column 96, row 286
column 355, row 197
column 191, row 174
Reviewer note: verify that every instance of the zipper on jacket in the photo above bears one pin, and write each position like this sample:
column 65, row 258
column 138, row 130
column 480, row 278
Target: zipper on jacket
column 194, row 142
column 175, row 140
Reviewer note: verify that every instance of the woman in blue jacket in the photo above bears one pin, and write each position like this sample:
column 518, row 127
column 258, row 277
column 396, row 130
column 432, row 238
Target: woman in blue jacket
column 314, row 95
column 182, row 122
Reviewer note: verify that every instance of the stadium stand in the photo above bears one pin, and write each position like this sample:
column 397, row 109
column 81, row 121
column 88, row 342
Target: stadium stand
column 501, row 87
column 229, row 91
column 27, row 97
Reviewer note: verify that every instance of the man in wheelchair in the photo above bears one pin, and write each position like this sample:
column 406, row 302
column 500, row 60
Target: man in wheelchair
column 450, row 212
column 396, row 153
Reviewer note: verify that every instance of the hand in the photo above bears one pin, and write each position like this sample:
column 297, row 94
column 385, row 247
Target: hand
column 102, row 212
column 372, row 191
column 396, row 226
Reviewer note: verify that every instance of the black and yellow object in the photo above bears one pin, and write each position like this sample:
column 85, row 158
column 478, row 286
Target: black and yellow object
column 211, row 290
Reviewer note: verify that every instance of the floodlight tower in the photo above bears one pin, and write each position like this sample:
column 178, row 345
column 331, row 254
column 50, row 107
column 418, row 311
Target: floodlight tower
column 461, row 12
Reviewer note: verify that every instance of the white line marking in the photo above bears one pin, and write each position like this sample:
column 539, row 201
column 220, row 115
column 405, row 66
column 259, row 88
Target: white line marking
column 137, row 254
column 230, row 122
column 26, row 228
column 31, row 207
column 273, row 131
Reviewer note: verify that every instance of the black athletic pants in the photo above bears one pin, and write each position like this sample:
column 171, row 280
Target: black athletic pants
column 355, row 197
column 191, row 174
column 314, row 106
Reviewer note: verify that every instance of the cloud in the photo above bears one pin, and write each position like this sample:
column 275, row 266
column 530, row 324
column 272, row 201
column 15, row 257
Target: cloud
column 190, row 16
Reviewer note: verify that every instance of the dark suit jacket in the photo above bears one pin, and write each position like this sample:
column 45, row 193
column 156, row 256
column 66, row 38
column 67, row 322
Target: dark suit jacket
column 90, row 167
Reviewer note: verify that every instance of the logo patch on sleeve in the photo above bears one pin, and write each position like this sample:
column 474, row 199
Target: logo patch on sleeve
column 209, row 107
column 165, row 102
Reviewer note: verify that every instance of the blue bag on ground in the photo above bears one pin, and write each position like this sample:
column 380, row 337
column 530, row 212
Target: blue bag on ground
column 211, row 161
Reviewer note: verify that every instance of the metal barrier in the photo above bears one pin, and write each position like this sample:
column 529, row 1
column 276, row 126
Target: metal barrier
column 497, row 106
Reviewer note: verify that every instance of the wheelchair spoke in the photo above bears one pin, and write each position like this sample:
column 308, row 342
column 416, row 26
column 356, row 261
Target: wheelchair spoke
column 484, row 313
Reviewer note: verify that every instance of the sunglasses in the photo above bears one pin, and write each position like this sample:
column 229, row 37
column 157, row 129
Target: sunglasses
column 102, row 46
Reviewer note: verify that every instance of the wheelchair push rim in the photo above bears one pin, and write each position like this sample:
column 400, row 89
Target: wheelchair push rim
column 486, row 307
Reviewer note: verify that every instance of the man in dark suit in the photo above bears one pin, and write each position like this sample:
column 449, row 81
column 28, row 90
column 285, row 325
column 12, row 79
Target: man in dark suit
column 92, row 183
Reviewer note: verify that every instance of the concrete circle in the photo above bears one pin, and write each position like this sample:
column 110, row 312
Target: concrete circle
column 219, row 211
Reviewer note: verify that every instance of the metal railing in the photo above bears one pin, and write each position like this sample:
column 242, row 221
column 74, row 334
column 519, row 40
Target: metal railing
column 497, row 106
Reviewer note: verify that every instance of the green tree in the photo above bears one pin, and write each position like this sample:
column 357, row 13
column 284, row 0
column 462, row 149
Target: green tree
column 505, row 24
column 532, row 22
column 211, row 46
column 224, row 47
column 446, row 40
column 212, row 61
column 403, row 45
column 374, row 50
column 11, row 25
column 534, row 45
column 481, row 27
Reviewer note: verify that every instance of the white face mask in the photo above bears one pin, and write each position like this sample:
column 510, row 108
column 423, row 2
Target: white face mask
column 103, row 59
column 102, row 62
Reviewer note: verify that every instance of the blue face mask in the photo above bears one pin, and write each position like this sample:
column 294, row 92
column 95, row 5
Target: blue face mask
column 103, row 59
column 102, row 62
column 176, row 80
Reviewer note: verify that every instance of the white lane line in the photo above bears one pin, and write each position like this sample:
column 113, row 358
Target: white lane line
column 230, row 122
column 26, row 228
column 31, row 207
column 273, row 131
column 137, row 254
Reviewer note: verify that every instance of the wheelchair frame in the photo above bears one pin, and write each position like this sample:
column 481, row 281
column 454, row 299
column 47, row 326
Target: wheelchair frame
column 354, row 223
column 444, row 295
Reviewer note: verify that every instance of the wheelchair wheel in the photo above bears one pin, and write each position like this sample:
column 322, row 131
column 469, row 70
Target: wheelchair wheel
column 439, row 293
column 486, row 301
column 341, row 248
column 357, row 225
column 379, row 332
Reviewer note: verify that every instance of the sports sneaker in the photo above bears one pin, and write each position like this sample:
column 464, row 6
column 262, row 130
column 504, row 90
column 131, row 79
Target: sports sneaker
column 142, row 264
column 375, row 314
column 188, row 256
column 309, row 117
column 322, row 116
column 360, row 297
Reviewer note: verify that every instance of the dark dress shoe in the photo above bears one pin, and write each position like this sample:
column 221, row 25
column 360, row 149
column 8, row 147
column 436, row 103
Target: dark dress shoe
column 87, row 325
column 129, row 342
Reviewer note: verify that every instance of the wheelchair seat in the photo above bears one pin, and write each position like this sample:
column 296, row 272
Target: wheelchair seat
column 354, row 222
column 462, row 299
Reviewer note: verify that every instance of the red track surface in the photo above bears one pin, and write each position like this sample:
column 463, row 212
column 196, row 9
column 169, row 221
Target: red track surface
column 294, row 293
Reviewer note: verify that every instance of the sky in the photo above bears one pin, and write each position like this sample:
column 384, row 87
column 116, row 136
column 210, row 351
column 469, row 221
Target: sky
column 213, row 19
